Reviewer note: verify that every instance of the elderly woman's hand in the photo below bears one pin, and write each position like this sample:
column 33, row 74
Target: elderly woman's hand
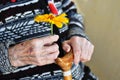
column 82, row 48
column 39, row 51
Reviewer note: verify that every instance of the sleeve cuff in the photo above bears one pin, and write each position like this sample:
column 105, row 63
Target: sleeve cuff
column 76, row 31
column 5, row 66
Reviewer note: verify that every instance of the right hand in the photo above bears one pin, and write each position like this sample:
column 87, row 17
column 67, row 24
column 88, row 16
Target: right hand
column 39, row 51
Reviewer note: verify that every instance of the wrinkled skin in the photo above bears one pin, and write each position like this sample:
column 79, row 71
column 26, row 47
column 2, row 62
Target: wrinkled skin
column 42, row 51
column 82, row 48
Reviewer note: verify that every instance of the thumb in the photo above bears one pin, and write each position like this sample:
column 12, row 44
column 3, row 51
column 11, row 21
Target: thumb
column 66, row 46
column 49, row 39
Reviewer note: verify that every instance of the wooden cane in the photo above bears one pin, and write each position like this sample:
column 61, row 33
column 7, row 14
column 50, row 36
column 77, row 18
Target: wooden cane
column 66, row 64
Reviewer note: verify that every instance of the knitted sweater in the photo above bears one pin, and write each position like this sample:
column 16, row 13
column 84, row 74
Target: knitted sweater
column 17, row 25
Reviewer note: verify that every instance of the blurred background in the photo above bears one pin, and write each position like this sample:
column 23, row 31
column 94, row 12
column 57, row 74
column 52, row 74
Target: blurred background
column 102, row 22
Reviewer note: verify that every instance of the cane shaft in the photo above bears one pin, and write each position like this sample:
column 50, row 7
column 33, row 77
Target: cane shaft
column 68, row 77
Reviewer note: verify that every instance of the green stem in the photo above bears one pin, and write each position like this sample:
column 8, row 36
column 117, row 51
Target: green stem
column 51, row 29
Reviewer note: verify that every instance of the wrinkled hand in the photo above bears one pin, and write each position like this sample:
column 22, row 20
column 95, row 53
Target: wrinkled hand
column 39, row 51
column 82, row 48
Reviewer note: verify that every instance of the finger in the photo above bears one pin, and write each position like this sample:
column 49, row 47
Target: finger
column 66, row 46
column 83, row 60
column 44, row 59
column 45, row 62
column 49, row 39
column 51, row 48
column 86, row 54
column 52, row 55
column 49, row 58
column 44, row 40
column 91, row 49
column 76, row 51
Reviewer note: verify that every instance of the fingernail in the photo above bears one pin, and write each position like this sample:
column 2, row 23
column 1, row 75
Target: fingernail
column 66, row 49
column 69, row 48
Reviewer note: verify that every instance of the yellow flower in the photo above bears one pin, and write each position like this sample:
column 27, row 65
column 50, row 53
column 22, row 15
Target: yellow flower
column 50, row 18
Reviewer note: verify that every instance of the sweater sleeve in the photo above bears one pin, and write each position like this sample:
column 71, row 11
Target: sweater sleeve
column 76, row 27
column 5, row 65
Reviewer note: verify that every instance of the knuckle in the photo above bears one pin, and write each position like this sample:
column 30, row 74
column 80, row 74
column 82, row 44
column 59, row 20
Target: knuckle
column 85, row 40
column 55, row 47
column 57, row 53
column 89, row 59
column 91, row 45
column 54, row 55
column 78, row 51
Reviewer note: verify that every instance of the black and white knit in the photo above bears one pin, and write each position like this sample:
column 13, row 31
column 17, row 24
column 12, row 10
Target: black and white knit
column 17, row 25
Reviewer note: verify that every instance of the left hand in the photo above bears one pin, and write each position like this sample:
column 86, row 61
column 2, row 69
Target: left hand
column 82, row 48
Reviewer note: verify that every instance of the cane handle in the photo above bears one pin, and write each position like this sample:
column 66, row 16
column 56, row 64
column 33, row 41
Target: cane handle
column 66, row 63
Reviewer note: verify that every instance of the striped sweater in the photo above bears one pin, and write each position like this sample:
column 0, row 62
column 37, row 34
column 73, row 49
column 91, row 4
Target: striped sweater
column 17, row 25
